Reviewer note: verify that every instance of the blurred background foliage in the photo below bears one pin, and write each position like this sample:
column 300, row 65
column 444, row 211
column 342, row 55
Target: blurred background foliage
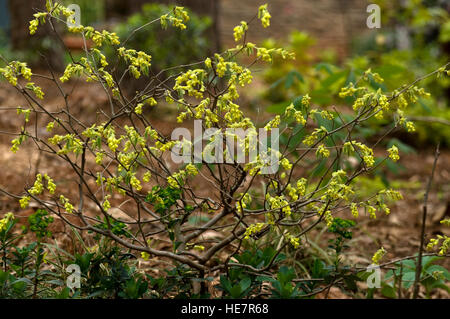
column 170, row 47
column 414, row 40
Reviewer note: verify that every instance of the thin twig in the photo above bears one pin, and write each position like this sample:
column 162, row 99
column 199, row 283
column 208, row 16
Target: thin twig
column 422, row 234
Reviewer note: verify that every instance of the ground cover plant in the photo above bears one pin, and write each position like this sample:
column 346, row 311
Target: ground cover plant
column 212, row 224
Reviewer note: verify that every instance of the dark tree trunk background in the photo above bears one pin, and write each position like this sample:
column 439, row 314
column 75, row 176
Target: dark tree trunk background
column 21, row 12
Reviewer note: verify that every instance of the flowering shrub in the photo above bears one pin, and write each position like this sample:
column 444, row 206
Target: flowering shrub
column 121, row 161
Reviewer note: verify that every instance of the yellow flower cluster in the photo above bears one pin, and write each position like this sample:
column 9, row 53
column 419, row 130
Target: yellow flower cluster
column 279, row 202
column 310, row 139
column 306, row 100
column 33, row 26
column 375, row 76
column 191, row 82
column 15, row 69
column 322, row 151
column 178, row 178
column 5, row 221
column 354, row 210
column 191, row 169
column 274, row 123
column 177, row 18
column 444, row 248
column 106, row 205
column 244, row 202
column 17, row 142
column 36, row 90
column 67, row 205
column 253, row 229
column 135, row 182
column 199, row 247
column 285, row 164
column 50, row 126
column 371, row 211
column 378, row 255
column 264, row 15
column 145, row 255
column 24, row 201
column 72, row 143
column 349, row 90
column 239, row 31
column 336, row 188
column 362, row 101
column 393, row 153
column 71, row 70
column 298, row 115
column 139, row 61
column 326, row 214
column 267, row 54
column 366, row 152
column 35, row 22
column 25, row 112
column 294, row 241
column 38, row 187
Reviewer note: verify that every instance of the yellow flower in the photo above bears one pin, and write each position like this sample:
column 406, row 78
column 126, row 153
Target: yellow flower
column 322, row 151
column 199, row 247
column 410, row 127
column 106, row 204
column 24, row 201
column 306, row 99
column 33, row 26
column 253, row 229
column 191, row 169
column 372, row 211
column 135, row 183
column 239, row 31
column 208, row 63
column 67, row 205
column 286, row 164
column 354, row 209
column 347, row 91
column 393, row 153
column 145, row 255
column 172, row 182
column 378, row 255
column 146, row 177
column 264, row 15
column 4, row 222
column 99, row 158
column 50, row 126
column 51, row 186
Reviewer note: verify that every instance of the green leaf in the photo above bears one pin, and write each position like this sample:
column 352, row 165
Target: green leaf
column 225, row 283
column 245, row 284
column 433, row 268
column 388, row 291
column 408, row 279
column 324, row 66
column 236, row 291
column 350, row 282
column 278, row 108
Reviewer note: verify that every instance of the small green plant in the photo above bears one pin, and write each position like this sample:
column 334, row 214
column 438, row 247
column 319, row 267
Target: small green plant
column 398, row 281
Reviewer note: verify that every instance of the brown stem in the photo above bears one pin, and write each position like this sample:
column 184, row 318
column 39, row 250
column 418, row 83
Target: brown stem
column 422, row 234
